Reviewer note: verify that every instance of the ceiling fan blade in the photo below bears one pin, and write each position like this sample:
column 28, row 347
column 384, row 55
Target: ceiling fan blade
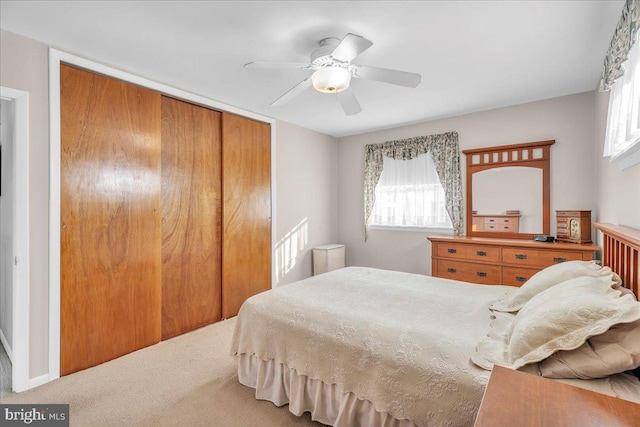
column 276, row 65
column 385, row 75
column 351, row 46
column 293, row 92
column 349, row 102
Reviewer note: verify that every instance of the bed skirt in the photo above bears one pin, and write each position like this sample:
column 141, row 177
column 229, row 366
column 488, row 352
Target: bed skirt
column 327, row 403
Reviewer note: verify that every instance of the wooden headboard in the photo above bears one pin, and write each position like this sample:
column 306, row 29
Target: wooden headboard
column 621, row 252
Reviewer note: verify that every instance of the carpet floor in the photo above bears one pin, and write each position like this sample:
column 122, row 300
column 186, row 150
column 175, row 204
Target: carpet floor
column 5, row 372
column 189, row 380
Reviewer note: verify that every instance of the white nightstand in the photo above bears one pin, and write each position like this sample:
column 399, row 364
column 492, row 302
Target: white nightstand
column 327, row 258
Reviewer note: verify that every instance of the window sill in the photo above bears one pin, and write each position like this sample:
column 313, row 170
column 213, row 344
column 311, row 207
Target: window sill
column 412, row 228
column 628, row 158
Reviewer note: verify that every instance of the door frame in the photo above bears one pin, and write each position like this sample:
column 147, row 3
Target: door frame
column 57, row 57
column 20, row 281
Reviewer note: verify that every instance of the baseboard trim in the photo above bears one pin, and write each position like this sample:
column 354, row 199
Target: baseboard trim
column 38, row 381
column 6, row 346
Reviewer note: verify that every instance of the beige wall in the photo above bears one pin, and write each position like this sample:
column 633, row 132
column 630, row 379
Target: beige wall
column 618, row 192
column 24, row 66
column 568, row 120
column 307, row 210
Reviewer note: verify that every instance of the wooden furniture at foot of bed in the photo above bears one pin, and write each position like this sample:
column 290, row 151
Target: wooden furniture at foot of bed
column 515, row 398
column 499, row 261
column 621, row 252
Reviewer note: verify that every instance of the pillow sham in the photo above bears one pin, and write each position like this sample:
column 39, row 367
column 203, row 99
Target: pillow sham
column 551, row 276
column 561, row 317
column 612, row 352
column 626, row 291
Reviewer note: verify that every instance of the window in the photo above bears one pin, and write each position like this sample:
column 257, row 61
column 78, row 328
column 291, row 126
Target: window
column 622, row 139
column 404, row 197
column 409, row 194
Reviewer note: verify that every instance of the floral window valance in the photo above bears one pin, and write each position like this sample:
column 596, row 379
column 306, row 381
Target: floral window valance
column 623, row 39
column 445, row 153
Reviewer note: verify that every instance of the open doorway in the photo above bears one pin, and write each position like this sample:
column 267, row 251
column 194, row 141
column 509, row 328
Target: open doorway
column 14, row 240
column 6, row 242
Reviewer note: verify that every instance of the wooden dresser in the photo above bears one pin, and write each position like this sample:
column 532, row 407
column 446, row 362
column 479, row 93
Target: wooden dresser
column 499, row 261
column 515, row 398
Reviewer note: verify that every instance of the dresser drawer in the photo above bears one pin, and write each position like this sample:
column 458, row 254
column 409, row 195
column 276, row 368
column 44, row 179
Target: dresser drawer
column 538, row 258
column 500, row 220
column 554, row 257
column 501, row 228
column 469, row 272
column 469, row 252
column 521, row 256
column 516, row 276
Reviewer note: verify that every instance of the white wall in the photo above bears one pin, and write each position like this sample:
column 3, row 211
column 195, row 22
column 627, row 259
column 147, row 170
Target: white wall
column 618, row 192
column 6, row 222
column 568, row 120
column 307, row 200
column 24, row 66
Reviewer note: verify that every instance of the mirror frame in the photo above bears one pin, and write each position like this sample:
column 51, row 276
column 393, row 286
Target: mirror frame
column 503, row 156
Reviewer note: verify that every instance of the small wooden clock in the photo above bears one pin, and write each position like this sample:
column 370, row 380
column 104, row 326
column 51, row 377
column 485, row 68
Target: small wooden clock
column 573, row 226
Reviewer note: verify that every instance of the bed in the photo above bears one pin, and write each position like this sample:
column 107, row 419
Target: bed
column 361, row 346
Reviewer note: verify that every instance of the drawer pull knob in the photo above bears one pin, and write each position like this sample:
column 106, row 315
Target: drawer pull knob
column 506, row 227
column 451, row 250
column 521, row 256
column 491, row 220
column 481, row 274
column 559, row 259
column 521, row 279
column 451, row 270
column 481, row 253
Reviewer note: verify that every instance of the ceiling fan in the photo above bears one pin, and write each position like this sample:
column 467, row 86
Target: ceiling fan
column 333, row 71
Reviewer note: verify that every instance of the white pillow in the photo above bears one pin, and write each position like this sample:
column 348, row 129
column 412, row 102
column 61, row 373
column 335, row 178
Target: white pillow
column 562, row 317
column 549, row 277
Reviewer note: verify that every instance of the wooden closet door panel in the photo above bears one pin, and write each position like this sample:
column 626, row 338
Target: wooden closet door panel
column 191, row 217
column 246, row 180
column 110, row 219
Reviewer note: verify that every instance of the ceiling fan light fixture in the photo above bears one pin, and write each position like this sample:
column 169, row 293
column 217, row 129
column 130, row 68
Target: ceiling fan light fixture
column 331, row 79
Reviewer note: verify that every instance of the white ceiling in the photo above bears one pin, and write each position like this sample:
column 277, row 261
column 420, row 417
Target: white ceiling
column 472, row 55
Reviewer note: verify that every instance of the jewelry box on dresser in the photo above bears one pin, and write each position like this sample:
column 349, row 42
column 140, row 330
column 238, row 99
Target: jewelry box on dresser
column 573, row 226
column 514, row 181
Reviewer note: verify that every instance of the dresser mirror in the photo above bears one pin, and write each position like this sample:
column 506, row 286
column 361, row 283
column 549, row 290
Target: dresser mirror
column 508, row 190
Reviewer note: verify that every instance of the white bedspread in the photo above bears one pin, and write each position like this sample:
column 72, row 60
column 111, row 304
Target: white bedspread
column 401, row 341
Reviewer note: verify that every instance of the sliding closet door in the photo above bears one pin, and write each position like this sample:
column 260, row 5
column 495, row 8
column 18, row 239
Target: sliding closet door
column 110, row 219
column 246, row 179
column 191, row 217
